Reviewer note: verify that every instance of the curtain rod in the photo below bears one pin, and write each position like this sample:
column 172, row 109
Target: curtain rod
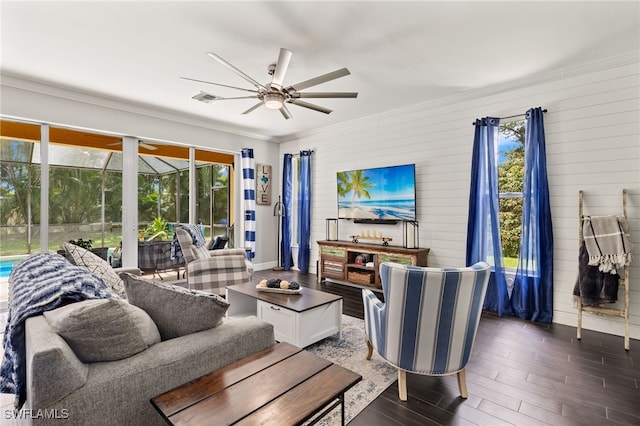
column 298, row 154
column 510, row 116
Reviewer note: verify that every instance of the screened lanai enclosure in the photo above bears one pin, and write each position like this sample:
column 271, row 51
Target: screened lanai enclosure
column 85, row 189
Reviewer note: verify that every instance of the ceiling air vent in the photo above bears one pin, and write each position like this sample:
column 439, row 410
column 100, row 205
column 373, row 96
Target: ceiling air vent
column 205, row 97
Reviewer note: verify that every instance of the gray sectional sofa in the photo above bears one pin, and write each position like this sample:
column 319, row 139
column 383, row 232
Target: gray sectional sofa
column 118, row 392
column 97, row 347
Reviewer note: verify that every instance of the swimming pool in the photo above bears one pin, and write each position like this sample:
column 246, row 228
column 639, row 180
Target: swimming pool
column 6, row 265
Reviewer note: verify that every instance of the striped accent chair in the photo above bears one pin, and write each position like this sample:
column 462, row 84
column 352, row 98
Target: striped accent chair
column 212, row 271
column 429, row 320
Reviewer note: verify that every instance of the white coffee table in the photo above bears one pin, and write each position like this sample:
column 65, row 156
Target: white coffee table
column 298, row 319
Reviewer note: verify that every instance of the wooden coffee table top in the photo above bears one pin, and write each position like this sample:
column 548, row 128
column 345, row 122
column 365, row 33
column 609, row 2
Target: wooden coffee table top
column 307, row 299
column 280, row 385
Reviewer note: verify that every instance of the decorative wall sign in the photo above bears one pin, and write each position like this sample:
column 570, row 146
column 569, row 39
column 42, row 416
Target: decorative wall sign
column 263, row 184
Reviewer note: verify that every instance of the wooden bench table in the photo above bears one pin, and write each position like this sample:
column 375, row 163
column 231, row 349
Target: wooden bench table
column 282, row 385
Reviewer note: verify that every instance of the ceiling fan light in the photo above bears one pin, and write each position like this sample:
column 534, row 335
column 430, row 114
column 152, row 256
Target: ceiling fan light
column 273, row 100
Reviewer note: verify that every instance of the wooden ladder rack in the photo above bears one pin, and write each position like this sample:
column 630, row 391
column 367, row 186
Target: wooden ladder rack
column 624, row 282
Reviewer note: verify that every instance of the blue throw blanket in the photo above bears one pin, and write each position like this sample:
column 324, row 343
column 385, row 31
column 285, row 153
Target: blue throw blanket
column 41, row 282
column 196, row 236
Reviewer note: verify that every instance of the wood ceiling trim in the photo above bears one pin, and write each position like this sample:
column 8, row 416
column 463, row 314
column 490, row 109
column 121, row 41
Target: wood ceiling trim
column 17, row 130
column 59, row 135
column 84, row 139
column 214, row 157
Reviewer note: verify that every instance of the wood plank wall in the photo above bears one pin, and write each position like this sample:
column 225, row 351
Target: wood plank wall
column 593, row 144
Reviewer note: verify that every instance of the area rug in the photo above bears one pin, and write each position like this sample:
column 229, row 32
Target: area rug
column 350, row 352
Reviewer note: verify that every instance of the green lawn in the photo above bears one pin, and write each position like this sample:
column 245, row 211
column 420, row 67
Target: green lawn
column 17, row 244
column 510, row 262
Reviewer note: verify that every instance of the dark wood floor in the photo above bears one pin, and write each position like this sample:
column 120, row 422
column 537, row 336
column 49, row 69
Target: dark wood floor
column 520, row 373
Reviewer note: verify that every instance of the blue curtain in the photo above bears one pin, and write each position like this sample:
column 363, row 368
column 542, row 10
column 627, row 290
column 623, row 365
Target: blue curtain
column 287, row 202
column 532, row 296
column 249, row 197
column 304, row 211
column 483, row 227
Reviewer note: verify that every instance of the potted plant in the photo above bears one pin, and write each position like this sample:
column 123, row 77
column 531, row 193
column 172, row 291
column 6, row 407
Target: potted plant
column 159, row 228
column 88, row 245
column 154, row 252
column 85, row 244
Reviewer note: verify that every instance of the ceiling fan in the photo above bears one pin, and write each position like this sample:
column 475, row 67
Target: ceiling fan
column 275, row 95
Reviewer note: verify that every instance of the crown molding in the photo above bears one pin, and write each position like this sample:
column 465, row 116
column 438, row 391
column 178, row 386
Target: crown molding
column 105, row 101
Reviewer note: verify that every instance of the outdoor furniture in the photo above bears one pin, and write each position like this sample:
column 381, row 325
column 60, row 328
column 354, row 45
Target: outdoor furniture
column 155, row 257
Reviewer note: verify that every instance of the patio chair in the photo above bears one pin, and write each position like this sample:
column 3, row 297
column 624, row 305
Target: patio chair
column 429, row 320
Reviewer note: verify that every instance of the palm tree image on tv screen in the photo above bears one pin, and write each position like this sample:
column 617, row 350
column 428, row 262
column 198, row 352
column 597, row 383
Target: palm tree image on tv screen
column 384, row 193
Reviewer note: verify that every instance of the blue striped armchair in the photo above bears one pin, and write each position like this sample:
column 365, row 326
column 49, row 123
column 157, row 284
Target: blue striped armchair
column 429, row 320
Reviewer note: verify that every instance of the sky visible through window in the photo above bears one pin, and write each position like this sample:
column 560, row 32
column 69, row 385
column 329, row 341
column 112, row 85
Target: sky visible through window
column 510, row 183
column 505, row 145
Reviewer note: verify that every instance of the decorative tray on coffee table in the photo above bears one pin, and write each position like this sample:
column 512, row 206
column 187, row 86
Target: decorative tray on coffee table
column 279, row 290
column 276, row 285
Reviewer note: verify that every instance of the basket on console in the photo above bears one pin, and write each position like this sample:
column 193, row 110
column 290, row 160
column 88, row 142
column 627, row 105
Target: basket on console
column 366, row 278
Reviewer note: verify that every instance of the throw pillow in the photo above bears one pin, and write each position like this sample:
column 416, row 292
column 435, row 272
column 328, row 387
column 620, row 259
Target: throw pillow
column 176, row 311
column 97, row 266
column 100, row 330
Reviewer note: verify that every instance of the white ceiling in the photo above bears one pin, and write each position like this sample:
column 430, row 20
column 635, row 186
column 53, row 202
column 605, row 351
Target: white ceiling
column 399, row 53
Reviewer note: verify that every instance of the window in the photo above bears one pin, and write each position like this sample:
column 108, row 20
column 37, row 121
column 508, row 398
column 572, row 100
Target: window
column 510, row 187
column 212, row 204
column 19, row 197
column 220, row 200
column 295, row 179
column 85, row 187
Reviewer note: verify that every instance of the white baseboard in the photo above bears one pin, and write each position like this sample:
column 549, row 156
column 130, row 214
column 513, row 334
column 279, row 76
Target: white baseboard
column 264, row 266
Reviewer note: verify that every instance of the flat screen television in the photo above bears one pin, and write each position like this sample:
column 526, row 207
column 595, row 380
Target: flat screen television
column 379, row 194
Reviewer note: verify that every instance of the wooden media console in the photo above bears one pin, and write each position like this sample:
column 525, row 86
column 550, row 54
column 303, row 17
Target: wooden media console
column 358, row 264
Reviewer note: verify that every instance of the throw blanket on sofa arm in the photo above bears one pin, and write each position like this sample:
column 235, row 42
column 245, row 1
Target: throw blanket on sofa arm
column 40, row 283
column 196, row 236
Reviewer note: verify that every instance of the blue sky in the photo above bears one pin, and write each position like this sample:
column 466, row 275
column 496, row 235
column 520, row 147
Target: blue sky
column 505, row 145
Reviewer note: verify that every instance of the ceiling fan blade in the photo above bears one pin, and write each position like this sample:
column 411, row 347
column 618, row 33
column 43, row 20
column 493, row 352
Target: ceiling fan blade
column 218, row 84
column 209, row 98
column 320, row 79
column 256, row 106
column 147, row 146
column 310, row 106
column 281, row 68
column 285, row 112
column 324, row 95
column 236, row 70
column 239, row 97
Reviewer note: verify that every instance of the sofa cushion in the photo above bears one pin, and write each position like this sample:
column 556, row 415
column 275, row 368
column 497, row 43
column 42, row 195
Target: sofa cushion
column 97, row 266
column 176, row 311
column 104, row 329
column 59, row 371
